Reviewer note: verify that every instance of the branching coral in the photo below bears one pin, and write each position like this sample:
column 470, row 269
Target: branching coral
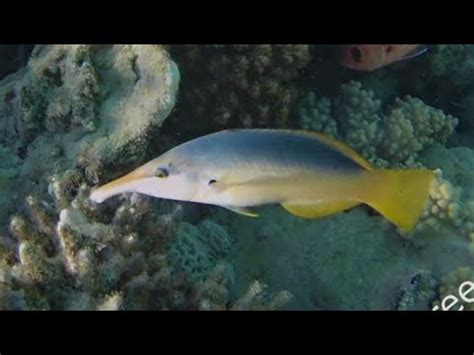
column 392, row 137
column 107, row 257
column 241, row 85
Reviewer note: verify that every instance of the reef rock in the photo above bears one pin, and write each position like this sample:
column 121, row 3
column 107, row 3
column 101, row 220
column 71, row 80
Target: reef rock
column 81, row 106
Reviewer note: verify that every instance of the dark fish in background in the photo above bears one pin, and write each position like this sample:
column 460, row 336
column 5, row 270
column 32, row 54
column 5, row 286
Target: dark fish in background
column 369, row 57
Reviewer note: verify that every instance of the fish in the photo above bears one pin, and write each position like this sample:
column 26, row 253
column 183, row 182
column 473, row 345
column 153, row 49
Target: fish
column 309, row 174
column 369, row 57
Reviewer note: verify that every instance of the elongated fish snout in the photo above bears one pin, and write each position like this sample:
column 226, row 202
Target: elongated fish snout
column 127, row 183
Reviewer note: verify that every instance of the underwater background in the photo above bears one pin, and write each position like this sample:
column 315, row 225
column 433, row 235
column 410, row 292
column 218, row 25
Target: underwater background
column 76, row 116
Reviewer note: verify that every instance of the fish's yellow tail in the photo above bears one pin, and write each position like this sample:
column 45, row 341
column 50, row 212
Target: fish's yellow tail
column 399, row 195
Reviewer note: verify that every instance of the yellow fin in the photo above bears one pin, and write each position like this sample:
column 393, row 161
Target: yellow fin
column 245, row 211
column 399, row 195
column 319, row 210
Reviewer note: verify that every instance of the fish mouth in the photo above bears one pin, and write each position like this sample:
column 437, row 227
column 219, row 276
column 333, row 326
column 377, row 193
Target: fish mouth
column 126, row 183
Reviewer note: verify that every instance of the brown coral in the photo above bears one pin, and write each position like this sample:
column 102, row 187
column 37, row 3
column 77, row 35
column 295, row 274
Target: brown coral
column 240, row 85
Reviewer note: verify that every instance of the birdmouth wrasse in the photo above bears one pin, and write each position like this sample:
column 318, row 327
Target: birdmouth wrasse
column 368, row 57
column 308, row 173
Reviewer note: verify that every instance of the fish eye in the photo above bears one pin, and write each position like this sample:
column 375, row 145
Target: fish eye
column 356, row 54
column 388, row 49
column 161, row 173
column 212, row 181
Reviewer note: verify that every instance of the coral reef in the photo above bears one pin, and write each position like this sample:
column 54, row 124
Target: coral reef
column 213, row 294
column 107, row 257
column 418, row 293
column 241, row 85
column 90, row 107
column 391, row 137
column 452, row 197
column 77, row 115
column 133, row 255
column 89, row 259
column 72, row 116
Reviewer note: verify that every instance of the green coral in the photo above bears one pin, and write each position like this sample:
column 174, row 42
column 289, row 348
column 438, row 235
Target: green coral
column 411, row 126
column 394, row 136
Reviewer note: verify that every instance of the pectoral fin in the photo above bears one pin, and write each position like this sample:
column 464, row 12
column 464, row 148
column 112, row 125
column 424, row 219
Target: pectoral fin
column 319, row 210
column 242, row 210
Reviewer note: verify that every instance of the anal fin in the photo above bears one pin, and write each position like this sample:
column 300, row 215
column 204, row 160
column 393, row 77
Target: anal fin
column 319, row 210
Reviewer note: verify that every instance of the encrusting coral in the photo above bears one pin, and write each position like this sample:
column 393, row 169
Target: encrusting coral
column 241, row 85
column 197, row 249
column 391, row 137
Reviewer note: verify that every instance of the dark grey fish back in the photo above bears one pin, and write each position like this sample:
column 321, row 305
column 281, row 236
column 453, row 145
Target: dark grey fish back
column 272, row 146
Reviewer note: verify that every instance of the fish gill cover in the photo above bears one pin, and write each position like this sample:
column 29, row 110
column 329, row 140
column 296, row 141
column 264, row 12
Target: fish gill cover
column 76, row 116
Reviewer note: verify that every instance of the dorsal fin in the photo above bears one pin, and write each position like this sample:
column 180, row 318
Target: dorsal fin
column 339, row 146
